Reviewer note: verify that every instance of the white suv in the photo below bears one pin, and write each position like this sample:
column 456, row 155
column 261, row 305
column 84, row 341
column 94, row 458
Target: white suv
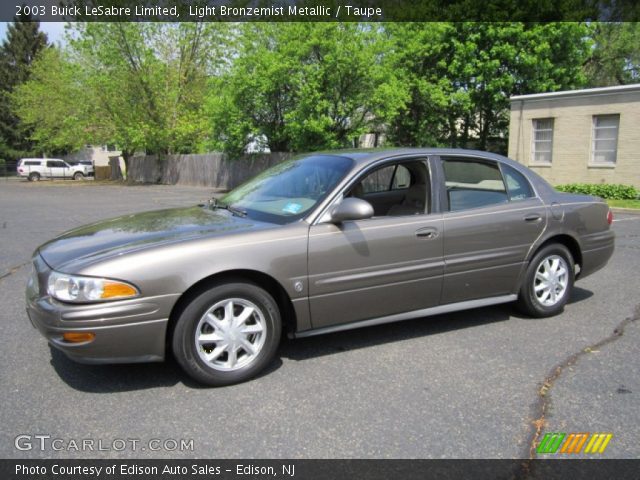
column 36, row 168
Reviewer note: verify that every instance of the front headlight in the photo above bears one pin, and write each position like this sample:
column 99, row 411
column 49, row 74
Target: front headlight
column 77, row 289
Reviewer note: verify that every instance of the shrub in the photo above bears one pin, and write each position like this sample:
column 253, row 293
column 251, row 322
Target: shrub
column 605, row 190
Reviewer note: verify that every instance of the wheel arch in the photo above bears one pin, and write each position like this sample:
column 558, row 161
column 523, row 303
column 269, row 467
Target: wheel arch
column 261, row 279
column 569, row 242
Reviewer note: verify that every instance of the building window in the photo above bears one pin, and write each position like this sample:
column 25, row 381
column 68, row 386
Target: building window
column 604, row 146
column 542, row 145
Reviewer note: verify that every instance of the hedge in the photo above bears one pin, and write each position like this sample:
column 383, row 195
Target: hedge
column 605, row 190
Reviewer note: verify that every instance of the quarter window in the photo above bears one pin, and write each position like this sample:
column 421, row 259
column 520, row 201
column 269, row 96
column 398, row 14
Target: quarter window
column 604, row 146
column 542, row 144
column 472, row 183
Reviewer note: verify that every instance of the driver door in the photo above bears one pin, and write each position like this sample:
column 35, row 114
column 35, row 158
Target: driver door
column 365, row 269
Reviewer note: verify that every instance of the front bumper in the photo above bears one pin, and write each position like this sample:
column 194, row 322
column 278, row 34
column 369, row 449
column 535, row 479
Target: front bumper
column 125, row 331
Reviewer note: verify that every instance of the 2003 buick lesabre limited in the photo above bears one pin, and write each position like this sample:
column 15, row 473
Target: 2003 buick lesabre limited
column 321, row 243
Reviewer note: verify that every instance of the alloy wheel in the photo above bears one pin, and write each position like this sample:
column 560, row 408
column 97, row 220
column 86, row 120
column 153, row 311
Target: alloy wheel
column 230, row 334
column 551, row 280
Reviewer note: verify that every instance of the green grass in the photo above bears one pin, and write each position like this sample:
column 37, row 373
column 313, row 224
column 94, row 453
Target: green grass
column 624, row 203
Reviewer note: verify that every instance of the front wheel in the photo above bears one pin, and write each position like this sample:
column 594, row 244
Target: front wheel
column 78, row 176
column 548, row 282
column 227, row 334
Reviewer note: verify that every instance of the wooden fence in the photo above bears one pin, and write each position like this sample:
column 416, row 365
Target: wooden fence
column 208, row 170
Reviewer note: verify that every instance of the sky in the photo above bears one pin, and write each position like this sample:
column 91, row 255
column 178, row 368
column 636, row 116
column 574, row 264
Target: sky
column 54, row 30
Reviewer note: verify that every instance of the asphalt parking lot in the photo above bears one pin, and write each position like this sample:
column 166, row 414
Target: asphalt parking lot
column 476, row 384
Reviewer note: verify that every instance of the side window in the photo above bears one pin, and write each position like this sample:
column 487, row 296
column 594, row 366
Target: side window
column 473, row 183
column 379, row 180
column 396, row 190
column 392, row 177
column 518, row 186
column 55, row 163
column 32, row 164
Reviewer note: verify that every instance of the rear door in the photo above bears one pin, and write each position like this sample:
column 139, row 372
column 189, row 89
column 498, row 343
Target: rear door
column 492, row 217
column 57, row 169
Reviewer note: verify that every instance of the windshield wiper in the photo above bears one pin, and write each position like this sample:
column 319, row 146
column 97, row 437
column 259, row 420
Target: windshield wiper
column 238, row 212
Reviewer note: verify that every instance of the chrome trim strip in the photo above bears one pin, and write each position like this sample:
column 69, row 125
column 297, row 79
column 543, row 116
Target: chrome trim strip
column 460, row 213
column 380, row 273
column 422, row 219
column 440, row 309
column 373, row 287
column 580, row 203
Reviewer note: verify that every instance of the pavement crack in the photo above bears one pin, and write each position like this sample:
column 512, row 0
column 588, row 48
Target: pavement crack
column 12, row 270
column 542, row 404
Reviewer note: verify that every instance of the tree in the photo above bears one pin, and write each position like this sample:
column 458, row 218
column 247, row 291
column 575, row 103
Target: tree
column 615, row 59
column 149, row 81
column 65, row 124
column 304, row 86
column 462, row 75
column 419, row 53
column 17, row 53
column 139, row 86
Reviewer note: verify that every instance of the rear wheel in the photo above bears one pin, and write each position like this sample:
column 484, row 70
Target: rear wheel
column 227, row 334
column 548, row 282
column 78, row 176
column 34, row 177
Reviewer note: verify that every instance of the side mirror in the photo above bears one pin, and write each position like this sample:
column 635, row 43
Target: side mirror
column 351, row 208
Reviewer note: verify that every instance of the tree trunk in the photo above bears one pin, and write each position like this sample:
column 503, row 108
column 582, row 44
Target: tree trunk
column 484, row 132
column 453, row 137
column 126, row 155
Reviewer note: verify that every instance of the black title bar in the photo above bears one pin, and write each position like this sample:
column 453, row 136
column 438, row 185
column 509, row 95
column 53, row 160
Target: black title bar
column 319, row 10
column 133, row 469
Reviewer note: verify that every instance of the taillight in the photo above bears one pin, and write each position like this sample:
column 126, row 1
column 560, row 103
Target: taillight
column 20, row 170
column 609, row 217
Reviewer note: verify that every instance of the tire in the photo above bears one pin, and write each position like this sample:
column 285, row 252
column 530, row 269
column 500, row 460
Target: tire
column 78, row 176
column 33, row 177
column 204, row 344
column 539, row 297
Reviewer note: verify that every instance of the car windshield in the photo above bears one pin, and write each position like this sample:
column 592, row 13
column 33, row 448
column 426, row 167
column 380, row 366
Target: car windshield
column 286, row 192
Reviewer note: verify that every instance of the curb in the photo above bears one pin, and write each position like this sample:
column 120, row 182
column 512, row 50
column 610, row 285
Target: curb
column 633, row 211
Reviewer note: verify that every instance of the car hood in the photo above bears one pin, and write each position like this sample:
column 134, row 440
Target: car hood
column 130, row 233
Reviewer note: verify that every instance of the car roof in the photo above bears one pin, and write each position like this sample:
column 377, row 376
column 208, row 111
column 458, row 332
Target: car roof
column 364, row 156
column 40, row 159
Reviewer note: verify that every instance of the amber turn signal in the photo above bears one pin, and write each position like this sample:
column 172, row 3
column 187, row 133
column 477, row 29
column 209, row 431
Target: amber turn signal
column 78, row 337
column 116, row 290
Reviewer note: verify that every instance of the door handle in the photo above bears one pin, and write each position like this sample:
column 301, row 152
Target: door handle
column 532, row 217
column 427, row 232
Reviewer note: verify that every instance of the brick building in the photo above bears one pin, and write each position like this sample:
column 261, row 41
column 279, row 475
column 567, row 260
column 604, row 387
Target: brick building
column 579, row 136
